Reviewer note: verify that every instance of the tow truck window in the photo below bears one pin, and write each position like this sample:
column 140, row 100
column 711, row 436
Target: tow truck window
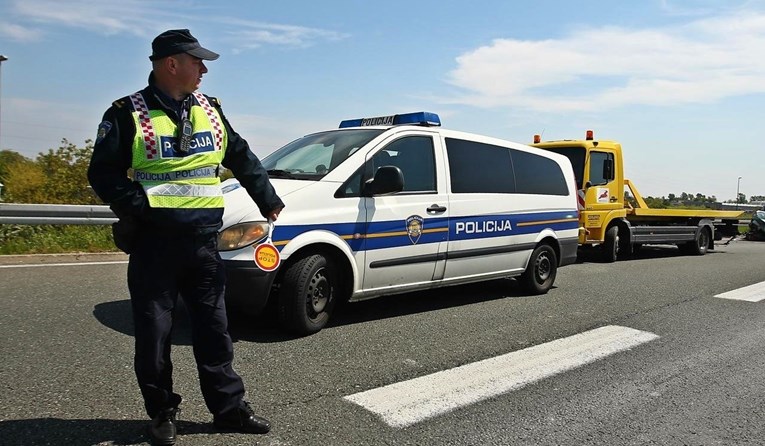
column 597, row 162
column 576, row 156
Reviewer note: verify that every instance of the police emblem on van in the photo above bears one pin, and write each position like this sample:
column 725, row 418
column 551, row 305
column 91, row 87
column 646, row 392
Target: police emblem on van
column 414, row 226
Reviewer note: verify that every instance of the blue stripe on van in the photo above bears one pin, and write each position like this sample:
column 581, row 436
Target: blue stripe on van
column 393, row 233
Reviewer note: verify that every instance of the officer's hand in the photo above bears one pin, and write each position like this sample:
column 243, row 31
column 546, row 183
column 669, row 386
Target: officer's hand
column 273, row 215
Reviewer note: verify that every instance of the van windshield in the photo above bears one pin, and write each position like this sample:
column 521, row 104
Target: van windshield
column 313, row 156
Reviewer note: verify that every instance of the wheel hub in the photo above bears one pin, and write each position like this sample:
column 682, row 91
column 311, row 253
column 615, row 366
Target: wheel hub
column 543, row 268
column 319, row 292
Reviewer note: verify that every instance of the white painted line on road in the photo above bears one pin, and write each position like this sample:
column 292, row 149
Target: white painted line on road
column 37, row 265
column 408, row 402
column 751, row 293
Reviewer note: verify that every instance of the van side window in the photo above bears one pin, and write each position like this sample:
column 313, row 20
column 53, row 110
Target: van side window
column 414, row 156
column 479, row 168
column 485, row 168
column 535, row 174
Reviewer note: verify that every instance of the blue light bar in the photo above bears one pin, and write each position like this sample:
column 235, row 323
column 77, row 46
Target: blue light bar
column 418, row 118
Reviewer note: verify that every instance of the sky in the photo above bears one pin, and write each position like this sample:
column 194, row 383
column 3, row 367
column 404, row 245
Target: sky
column 679, row 83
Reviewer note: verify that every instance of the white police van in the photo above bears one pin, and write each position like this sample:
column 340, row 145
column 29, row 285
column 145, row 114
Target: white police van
column 393, row 204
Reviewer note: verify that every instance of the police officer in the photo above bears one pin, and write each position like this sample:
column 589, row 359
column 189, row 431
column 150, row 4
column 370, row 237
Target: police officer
column 174, row 138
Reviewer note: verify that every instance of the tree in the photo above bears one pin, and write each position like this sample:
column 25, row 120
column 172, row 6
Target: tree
column 656, row 203
column 8, row 157
column 66, row 174
column 58, row 176
column 24, row 182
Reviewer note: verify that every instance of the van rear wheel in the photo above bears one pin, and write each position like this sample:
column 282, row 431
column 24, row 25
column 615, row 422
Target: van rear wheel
column 541, row 270
column 308, row 294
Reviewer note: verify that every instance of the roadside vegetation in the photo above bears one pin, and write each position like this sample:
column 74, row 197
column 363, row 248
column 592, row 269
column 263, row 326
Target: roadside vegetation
column 56, row 177
column 55, row 239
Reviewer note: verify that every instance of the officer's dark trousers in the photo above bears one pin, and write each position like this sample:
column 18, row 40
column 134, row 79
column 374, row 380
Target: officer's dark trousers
column 161, row 267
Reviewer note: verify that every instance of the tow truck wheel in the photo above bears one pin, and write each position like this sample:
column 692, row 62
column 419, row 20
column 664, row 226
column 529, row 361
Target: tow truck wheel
column 626, row 247
column 307, row 295
column 541, row 270
column 698, row 247
column 611, row 244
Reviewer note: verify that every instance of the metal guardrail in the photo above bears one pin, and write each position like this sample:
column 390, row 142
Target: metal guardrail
column 70, row 214
column 55, row 214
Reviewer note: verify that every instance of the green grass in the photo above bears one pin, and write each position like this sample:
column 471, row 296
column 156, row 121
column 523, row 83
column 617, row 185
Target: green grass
column 54, row 239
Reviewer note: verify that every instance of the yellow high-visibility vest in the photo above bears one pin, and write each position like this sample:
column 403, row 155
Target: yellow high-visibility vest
column 171, row 178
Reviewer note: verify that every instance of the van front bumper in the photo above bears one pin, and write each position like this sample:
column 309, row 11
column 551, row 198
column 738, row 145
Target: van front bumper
column 247, row 286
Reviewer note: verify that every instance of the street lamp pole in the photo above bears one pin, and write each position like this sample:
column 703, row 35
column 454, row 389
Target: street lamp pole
column 738, row 185
column 2, row 59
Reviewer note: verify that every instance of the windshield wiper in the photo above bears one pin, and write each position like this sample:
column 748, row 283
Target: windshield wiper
column 279, row 173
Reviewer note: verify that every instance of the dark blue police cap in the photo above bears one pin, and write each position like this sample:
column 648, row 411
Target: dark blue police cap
column 176, row 41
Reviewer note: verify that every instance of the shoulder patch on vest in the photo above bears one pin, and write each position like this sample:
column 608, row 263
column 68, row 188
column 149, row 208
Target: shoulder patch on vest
column 119, row 103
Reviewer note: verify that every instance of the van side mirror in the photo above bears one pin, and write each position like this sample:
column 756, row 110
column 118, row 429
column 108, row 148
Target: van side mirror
column 387, row 180
column 608, row 169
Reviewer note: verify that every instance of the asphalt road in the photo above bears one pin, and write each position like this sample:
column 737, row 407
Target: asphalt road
column 66, row 343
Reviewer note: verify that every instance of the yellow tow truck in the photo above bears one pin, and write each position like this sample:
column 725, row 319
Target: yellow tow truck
column 613, row 214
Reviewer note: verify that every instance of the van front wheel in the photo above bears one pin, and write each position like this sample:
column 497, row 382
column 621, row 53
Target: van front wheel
column 541, row 270
column 308, row 294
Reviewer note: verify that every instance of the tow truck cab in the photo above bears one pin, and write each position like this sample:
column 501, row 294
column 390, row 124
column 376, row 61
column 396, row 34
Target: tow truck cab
column 613, row 214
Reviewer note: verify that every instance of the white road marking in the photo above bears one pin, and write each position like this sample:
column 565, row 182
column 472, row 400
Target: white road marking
column 37, row 265
column 751, row 293
column 408, row 402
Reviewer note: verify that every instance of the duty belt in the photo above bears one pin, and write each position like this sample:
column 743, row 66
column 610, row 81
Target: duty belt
column 188, row 174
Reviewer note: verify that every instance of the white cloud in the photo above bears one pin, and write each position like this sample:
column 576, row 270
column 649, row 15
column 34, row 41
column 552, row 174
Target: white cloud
column 252, row 34
column 19, row 33
column 101, row 17
column 608, row 67
column 107, row 18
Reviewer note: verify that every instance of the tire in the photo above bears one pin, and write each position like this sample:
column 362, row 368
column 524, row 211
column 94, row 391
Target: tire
column 308, row 294
column 625, row 244
column 611, row 245
column 541, row 270
column 699, row 246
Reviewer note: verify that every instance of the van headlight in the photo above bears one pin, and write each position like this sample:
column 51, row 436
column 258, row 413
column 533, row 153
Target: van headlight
column 241, row 235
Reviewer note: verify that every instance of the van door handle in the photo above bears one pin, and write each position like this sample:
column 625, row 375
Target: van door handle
column 436, row 209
